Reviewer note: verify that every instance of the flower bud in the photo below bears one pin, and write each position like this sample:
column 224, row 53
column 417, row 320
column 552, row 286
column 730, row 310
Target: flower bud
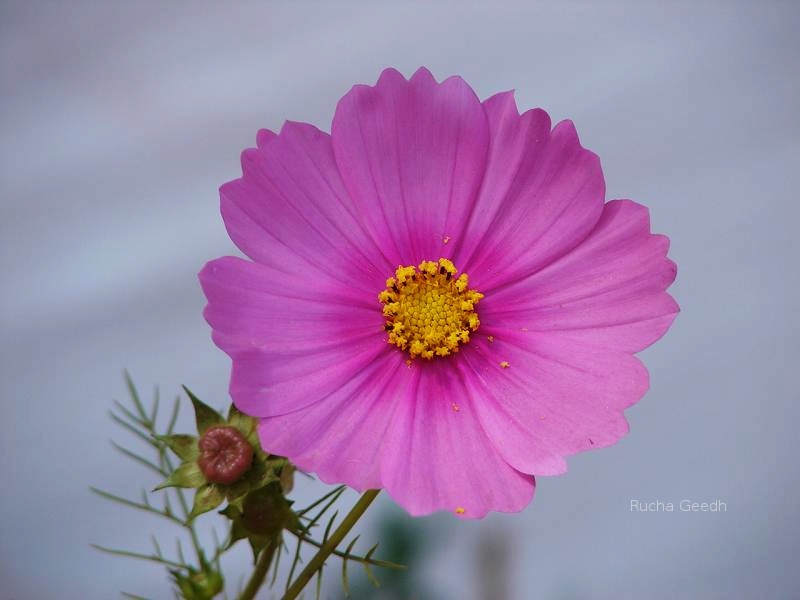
column 199, row 585
column 225, row 454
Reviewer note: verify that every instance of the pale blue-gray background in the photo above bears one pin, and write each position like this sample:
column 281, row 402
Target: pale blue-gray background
column 119, row 120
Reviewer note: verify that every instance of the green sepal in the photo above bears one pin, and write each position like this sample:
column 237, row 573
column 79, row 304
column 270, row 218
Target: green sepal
column 260, row 516
column 204, row 415
column 245, row 424
column 238, row 488
column 287, row 476
column 257, row 545
column 266, row 467
column 260, row 474
column 188, row 475
column 206, row 498
column 184, row 446
column 239, row 532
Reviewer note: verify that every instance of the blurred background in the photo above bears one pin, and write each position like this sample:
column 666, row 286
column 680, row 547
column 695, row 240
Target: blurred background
column 118, row 122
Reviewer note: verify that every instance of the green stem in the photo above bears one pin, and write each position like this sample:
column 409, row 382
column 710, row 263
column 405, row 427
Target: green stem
column 190, row 526
column 330, row 544
column 260, row 572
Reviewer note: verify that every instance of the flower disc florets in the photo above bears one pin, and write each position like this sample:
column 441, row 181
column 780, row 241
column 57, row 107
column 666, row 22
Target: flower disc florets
column 429, row 311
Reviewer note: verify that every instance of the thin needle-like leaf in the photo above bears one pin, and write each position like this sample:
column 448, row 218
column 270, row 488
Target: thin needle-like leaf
column 276, row 564
column 319, row 582
column 322, row 511
column 127, row 413
column 133, row 417
column 150, row 557
column 345, row 582
column 375, row 562
column 367, row 557
column 295, row 562
column 278, row 551
column 123, row 423
column 337, row 490
column 133, row 504
column 154, row 411
column 133, row 596
column 328, row 528
column 217, row 549
column 135, row 397
column 140, row 459
column 180, row 551
column 174, row 417
column 157, row 547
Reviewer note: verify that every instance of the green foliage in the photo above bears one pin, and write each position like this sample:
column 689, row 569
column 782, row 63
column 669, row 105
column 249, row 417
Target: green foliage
column 264, row 469
column 257, row 509
column 143, row 425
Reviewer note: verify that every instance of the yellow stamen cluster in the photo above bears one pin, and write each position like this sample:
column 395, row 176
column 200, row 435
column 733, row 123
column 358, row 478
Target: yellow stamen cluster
column 428, row 310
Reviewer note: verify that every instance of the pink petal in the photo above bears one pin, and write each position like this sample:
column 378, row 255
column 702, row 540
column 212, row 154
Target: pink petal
column 541, row 195
column 341, row 437
column 609, row 291
column 440, row 457
column 291, row 211
column 554, row 398
column 292, row 341
column 412, row 155
column 417, row 170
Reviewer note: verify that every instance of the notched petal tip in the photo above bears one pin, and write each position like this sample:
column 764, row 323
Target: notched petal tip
column 501, row 109
column 567, row 129
column 247, row 159
column 422, row 73
column 636, row 210
column 422, row 76
column 673, row 267
column 387, row 77
column 264, row 137
column 642, row 212
column 298, row 128
column 503, row 102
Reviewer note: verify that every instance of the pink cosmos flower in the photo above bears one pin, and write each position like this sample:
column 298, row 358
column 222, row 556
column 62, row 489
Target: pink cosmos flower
column 439, row 301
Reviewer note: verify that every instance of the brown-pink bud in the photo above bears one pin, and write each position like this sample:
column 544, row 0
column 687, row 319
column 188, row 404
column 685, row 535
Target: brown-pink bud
column 225, row 454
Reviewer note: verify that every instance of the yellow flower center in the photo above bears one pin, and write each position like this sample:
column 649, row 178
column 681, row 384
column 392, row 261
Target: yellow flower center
column 428, row 310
